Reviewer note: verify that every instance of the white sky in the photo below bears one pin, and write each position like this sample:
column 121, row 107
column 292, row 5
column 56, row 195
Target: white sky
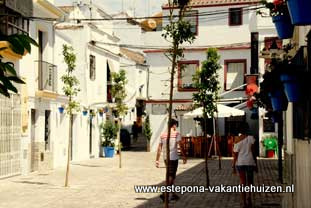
column 140, row 7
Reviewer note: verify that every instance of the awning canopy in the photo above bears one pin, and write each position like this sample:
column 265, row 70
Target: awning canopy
column 223, row 111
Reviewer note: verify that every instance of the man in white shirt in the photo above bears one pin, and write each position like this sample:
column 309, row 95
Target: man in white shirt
column 175, row 139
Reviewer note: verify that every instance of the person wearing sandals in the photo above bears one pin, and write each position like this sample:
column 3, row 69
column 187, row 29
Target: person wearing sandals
column 245, row 162
column 175, row 139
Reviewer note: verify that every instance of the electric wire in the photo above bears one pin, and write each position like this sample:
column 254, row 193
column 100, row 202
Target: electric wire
column 201, row 14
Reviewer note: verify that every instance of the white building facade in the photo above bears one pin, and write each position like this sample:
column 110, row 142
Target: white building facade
column 229, row 32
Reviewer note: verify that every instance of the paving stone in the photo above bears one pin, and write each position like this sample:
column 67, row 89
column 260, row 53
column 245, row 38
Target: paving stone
column 100, row 183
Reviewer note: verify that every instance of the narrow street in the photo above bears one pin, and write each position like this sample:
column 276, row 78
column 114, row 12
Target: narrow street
column 100, row 183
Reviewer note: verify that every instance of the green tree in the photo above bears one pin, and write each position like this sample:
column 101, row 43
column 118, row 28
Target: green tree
column 118, row 92
column 148, row 131
column 177, row 31
column 109, row 133
column 206, row 81
column 71, row 89
column 19, row 44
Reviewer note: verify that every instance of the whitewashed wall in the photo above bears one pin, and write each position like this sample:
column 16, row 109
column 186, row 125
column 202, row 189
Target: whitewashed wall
column 213, row 31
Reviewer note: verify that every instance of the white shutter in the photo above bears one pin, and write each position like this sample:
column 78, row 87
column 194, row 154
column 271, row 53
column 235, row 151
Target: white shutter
column 235, row 75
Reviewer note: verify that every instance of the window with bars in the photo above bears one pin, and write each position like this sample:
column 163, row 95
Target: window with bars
column 186, row 70
column 192, row 17
column 234, row 73
column 13, row 18
column 92, row 67
column 235, row 16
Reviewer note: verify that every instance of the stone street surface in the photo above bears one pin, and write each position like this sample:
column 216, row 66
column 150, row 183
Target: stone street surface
column 100, row 183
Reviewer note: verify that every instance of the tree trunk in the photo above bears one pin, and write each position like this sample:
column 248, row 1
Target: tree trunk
column 168, row 126
column 119, row 143
column 175, row 48
column 69, row 151
column 206, row 149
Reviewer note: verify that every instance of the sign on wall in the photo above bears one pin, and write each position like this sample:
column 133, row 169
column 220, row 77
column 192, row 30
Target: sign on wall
column 158, row 109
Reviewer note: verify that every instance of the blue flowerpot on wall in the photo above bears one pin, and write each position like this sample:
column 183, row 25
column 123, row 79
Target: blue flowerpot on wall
column 84, row 113
column 283, row 26
column 291, row 87
column 61, row 109
column 108, row 151
column 300, row 11
column 278, row 100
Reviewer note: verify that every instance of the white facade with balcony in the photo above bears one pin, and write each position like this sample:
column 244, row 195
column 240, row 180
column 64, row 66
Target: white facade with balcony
column 41, row 96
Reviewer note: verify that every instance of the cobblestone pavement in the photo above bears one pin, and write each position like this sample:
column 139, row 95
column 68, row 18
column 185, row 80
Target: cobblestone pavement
column 99, row 183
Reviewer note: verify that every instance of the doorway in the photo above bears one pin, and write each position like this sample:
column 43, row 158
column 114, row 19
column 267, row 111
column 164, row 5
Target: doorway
column 33, row 166
column 91, row 134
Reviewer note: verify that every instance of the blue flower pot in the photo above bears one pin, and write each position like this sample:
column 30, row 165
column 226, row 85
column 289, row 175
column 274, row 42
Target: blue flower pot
column 61, row 109
column 278, row 100
column 108, row 151
column 84, row 113
column 291, row 87
column 283, row 26
column 300, row 11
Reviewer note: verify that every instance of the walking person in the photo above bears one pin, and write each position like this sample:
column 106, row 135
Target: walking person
column 175, row 139
column 135, row 131
column 244, row 160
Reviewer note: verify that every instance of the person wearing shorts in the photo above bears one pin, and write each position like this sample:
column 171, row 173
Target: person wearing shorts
column 244, row 161
column 175, row 140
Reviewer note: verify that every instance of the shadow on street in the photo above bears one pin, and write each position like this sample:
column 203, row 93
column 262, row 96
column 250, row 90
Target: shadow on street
column 196, row 176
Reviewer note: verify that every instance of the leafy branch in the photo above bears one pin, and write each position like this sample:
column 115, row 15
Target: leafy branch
column 19, row 44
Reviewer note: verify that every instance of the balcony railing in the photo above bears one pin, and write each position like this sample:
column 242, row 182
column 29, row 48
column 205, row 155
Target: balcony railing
column 10, row 25
column 47, row 76
column 14, row 16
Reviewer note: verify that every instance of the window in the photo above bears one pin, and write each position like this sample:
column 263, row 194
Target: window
column 186, row 70
column 109, row 86
column 92, row 67
column 235, row 16
column 192, row 17
column 234, row 73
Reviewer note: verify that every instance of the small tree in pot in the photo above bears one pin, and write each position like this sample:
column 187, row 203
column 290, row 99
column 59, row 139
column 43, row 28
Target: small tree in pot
column 109, row 132
column 148, row 132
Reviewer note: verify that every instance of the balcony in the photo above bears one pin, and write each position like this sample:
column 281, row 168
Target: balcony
column 47, row 76
column 14, row 15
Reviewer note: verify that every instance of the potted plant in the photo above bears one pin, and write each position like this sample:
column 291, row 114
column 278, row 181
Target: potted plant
column 147, row 132
column 273, row 88
column 271, row 145
column 300, row 11
column 109, row 134
column 101, row 112
column 280, row 17
column 61, row 109
column 84, row 111
column 291, row 78
column 290, row 74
